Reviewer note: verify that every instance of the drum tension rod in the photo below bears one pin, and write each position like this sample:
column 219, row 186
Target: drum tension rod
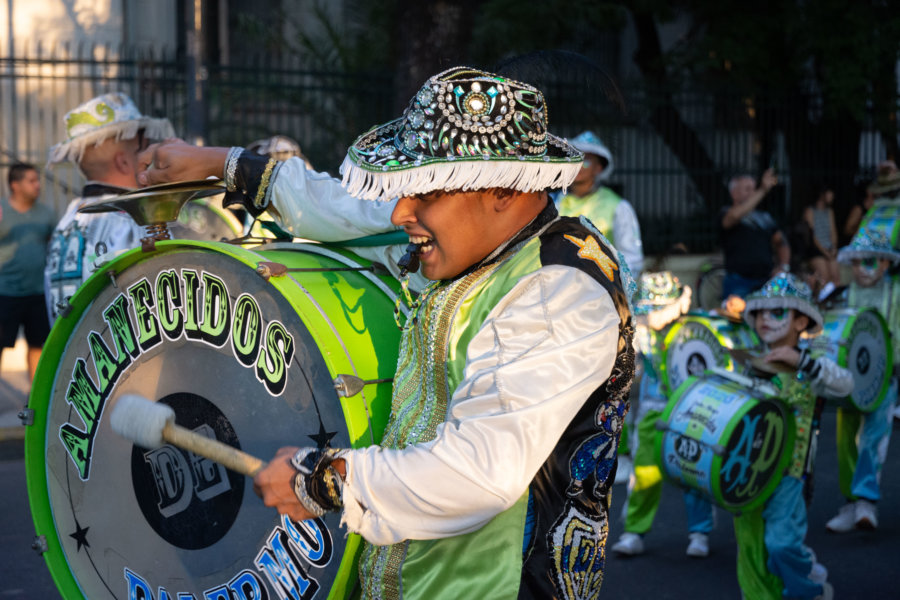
column 267, row 269
column 351, row 385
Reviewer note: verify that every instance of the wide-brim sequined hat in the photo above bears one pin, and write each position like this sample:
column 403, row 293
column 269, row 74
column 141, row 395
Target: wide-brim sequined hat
column 661, row 298
column 589, row 143
column 112, row 115
column 464, row 130
column 868, row 244
column 784, row 291
column 888, row 179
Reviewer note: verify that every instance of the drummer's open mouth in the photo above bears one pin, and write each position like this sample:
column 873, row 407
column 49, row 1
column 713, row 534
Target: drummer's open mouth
column 424, row 244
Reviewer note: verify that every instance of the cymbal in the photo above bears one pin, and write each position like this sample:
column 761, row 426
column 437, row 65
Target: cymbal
column 156, row 203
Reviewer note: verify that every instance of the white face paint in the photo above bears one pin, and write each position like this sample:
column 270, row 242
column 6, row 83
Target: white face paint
column 772, row 325
column 867, row 272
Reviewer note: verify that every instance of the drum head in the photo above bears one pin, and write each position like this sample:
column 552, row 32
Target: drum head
column 860, row 342
column 695, row 344
column 200, row 331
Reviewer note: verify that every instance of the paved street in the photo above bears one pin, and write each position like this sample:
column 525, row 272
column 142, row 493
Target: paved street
column 861, row 565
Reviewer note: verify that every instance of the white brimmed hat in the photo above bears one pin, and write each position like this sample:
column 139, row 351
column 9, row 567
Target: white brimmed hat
column 784, row 291
column 112, row 115
column 868, row 244
column 589, row 143
column 464, row 130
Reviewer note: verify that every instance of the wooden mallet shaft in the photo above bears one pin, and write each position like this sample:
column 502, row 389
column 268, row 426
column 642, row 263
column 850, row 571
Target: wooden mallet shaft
column 151, row 424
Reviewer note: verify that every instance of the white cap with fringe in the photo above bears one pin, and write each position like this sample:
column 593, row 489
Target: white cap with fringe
column 112, row 115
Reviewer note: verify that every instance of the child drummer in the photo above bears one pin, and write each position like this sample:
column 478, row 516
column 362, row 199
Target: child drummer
column 773, row 561
column 661, row 300
column 862, row 438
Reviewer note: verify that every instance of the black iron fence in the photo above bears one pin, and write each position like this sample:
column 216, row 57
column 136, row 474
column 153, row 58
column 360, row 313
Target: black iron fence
column 673, row 151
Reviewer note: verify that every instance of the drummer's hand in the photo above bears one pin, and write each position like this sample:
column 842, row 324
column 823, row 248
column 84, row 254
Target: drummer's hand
column 176, row 160
column 784, row 354
column 275, row 485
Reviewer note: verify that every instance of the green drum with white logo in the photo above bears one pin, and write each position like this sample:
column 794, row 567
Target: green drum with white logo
column 858, row 340
column 729, row 443
column 298, row 351
column 696, row 343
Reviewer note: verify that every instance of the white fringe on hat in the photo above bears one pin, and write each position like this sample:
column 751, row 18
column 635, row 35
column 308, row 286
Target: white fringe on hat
column 755, row 303
column 73, row 149
column 462, row 175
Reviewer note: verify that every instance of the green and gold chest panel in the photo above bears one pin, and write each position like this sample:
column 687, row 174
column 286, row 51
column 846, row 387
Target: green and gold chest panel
column 420, row 399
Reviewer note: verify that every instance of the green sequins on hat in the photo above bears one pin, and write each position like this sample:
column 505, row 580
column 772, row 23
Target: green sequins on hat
column 868, row 244
column 98, row 119
column 465, row 129
column 784, row 291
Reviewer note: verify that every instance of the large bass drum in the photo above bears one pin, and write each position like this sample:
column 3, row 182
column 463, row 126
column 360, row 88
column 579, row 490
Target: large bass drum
column 304, row 357
column 727, row 442
column 858, row 340
column 696, row 343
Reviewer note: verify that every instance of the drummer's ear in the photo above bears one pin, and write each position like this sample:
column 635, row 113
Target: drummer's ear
column 800, row 322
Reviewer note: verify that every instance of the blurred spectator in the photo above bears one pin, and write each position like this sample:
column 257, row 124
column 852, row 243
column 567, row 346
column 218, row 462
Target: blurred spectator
column 104, row 136
column 865, row 199
column 612, row 215
column 25, row 227
column 754, row 247
column 822, row 250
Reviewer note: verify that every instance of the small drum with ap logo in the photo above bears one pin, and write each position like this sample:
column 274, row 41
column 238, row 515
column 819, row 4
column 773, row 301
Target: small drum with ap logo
column 729, row 442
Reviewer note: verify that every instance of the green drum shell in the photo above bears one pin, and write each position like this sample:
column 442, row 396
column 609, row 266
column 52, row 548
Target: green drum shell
column 716, row 431
column 858, row 340
column 703, row 339
column 347, row 316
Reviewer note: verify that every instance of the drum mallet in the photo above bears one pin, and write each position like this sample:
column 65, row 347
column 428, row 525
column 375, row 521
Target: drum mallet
column 151, row 424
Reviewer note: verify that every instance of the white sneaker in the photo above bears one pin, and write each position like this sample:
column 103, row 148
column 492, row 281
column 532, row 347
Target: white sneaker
column 866, row 515
column 699, row 546
column 818, row 573
column 626, row 468
column 827, row 592
column 897, row 412
column 630, row 544
column 844, row 521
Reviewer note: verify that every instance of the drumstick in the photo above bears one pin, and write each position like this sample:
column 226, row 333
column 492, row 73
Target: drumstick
column 151, row 424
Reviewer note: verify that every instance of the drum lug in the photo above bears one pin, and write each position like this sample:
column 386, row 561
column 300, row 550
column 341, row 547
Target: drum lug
column 39, row 544
column 267, row 270
column 63, row 308
column 351, row 385
column 112, row 277
column 26, row 415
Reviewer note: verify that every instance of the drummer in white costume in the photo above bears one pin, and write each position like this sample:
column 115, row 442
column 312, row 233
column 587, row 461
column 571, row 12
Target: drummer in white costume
column 773, row 560
column 104, row 136
column 863, row 437
column 514, row 370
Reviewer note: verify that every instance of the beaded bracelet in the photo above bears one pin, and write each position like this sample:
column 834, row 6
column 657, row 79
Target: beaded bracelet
column 323, row 484
column 300, row 490
column 231, row 162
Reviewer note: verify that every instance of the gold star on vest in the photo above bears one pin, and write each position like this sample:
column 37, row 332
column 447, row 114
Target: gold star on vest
column 589, row 249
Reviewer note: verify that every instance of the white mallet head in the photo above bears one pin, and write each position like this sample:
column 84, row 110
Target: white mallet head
column 140, row 420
